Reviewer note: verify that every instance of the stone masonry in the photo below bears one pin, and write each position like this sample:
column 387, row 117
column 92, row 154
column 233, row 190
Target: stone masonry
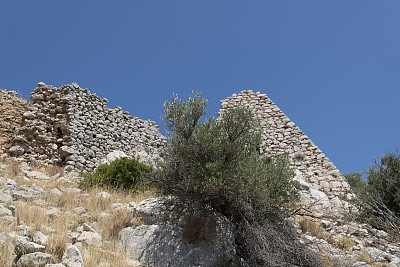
column 12, row 106
column 281, row 136
column 71, row 127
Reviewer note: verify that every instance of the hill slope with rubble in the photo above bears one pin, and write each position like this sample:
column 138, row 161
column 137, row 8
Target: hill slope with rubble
column 46, row 220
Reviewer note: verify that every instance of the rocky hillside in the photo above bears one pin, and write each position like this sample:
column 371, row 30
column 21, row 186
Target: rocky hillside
column 47, row 220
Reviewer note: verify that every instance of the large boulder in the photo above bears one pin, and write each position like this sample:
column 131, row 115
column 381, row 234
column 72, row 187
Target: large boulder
column 112, row 156
column 36, row 259
column 179, row 234
column 72, row 257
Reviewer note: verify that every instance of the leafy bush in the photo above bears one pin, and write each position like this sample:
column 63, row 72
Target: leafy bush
column 217, row 162
column 378, row 199
column 357, row 183
column 123, row 173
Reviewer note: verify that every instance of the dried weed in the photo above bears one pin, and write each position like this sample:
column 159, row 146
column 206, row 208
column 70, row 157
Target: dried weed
column 307, row 225
column 345, row 242
column 6, row 247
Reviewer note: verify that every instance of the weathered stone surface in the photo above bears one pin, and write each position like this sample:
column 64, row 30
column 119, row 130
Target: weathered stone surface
column 179, row 234
column 360, row 264
column 16, row 150
column 39, row 238
column 90, row 238
column 55, row 193
column 113, row 156
column 5, row 212
column 36, row 259
column 103, row 195
column 23, row 246
column 163, row 245
column 12, row 108
column 37, row 175
column 72, row 257
column 5, row 198
column 25, row 195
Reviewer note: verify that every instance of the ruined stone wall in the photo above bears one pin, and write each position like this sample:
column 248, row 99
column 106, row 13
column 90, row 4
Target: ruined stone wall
column 71, row 127
column 12, row 106
column 282, row 136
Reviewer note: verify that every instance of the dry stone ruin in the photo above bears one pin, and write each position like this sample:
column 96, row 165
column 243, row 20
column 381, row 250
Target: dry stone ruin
column 11, row 109
column 282, row 136
column 71, row 127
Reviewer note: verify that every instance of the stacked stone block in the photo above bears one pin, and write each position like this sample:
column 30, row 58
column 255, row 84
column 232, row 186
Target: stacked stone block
column 71, row 127
column 281, row 136
column 12, row 106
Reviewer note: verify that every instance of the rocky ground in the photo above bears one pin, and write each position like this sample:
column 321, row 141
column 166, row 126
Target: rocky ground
column 46, row 220
column 323, row 227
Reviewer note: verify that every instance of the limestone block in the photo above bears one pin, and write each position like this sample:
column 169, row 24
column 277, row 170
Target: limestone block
column 35, row 259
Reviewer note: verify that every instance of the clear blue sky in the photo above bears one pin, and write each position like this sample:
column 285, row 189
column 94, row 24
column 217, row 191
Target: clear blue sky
column 332, row 66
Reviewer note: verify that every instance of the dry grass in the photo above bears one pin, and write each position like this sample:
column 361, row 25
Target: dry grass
column 33, row 216
column 56, row 245
column 380, row 264
column 93, row 256
column 365, row 257
column 111, row 226
column 308, row 225
column 14, row 171
column 52, row 170
column 345, row 242
column 142, row 195
column 6, row 247
column 59, row 225
column 331, row 240
column 67, row 201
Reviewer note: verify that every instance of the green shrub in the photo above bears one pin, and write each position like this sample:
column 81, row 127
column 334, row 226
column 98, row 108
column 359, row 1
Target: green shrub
column 378, row 199
column 123, row 173
column 357, row 183
column 217, row 162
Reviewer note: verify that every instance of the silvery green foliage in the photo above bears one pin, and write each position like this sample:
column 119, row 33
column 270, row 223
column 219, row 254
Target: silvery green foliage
column 217, row 162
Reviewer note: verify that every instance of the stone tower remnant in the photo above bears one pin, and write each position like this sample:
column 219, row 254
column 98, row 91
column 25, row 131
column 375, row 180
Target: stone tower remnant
column 281, row 136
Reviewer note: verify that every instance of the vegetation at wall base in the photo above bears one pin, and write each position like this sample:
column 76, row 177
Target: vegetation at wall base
column 123, row 173
column 378, row 198
column 217, row 163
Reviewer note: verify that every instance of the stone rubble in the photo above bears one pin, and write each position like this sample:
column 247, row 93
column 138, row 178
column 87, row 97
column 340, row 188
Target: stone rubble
column 341, row 241
column 164, row 230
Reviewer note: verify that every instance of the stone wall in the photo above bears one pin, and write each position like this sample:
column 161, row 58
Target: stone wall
column 282, row 136
column 71, row 127
column 12, row 106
